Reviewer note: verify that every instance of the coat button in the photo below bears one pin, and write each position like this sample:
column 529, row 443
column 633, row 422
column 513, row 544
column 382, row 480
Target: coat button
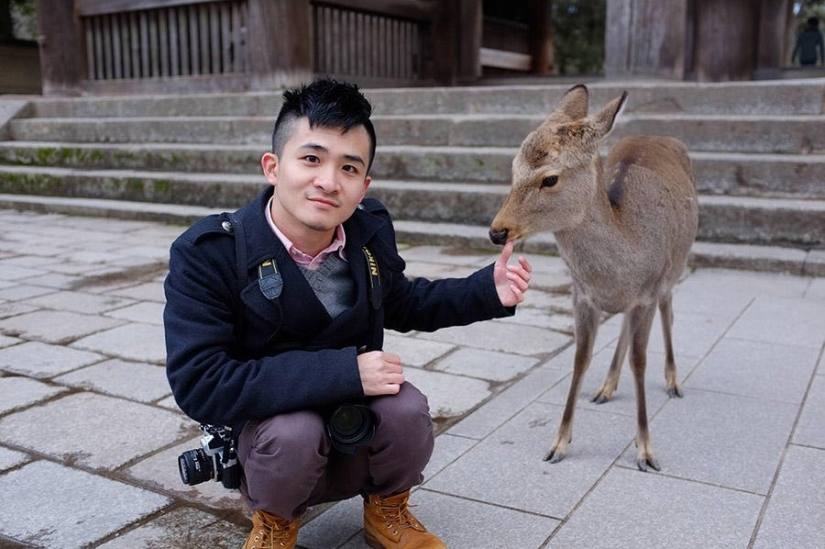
column 227, row 226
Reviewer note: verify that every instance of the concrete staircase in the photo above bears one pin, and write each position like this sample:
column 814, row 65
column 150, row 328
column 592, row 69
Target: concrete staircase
column 443, row 161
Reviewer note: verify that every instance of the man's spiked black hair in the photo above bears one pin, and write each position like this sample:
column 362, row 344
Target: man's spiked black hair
column 326, row 103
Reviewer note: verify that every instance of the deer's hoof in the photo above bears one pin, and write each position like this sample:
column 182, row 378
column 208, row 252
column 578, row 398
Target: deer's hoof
column 600, row 398
column 675, row 392
column 643, row 462
column 555, row 455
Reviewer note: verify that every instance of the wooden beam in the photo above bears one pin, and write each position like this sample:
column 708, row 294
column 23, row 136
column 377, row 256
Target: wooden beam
column 506, row 59
column 99, row 7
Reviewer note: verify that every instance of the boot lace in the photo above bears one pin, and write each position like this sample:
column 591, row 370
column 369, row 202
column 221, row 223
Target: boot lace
column 271, row 536
column 397, row 516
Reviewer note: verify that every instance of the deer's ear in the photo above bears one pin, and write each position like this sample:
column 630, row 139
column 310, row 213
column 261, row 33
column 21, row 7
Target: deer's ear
column 602, row 121
column 573, row 105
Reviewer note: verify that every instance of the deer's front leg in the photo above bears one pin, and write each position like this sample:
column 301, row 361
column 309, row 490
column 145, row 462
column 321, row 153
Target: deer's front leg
column 641, row 319
column 586, row 325
column 605, row 392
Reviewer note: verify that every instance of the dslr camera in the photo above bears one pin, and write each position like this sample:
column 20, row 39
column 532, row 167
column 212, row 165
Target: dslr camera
column 214, row 460
column 350, row 426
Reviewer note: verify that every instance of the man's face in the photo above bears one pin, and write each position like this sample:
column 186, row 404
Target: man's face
column 319, row 179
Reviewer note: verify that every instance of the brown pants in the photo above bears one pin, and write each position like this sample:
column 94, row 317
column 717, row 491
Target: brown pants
column 289, row 463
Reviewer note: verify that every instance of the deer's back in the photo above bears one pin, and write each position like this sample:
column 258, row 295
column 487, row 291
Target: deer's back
column 653, row 214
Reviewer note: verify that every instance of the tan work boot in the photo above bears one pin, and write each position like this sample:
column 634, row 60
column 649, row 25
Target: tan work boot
column 271, row 532
column 388, row 524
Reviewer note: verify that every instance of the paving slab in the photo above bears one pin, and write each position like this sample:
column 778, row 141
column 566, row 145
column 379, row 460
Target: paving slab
column 18, row 392
column 79, row 302
column 185, row 526
column 58, row 327
column 342, row 522
column 160, row 471
column 55, row 506
column 42, row 360
column 507, row 467
column 795, row 517
column 693, row 334
column 93, row 430
column 19, row 292
column 138, row 342
column 720, row 439
column 448, row 448
column 146, row 312
column 147, row 291
column 624, row 399
column 501, row 336
column 558, row 302
column 12, row 308
column 18, row 273
column 11, row 458
column 810, row 429
column 6, row 341
column 760, row 370
column 448, row 395
column 133, row 380
column 816, row 290
column 630, row 509
column 413, row 351
column 497, row 411
column 58, row 281
column 723, row 282
column 542, row 318
column 783, row 321
column 489, row 365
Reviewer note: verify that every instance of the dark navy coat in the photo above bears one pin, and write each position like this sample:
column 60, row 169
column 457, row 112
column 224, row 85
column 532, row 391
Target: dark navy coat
column 289, row 354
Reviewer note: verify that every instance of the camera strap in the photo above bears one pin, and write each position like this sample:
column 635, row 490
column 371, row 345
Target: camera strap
column 375, row 279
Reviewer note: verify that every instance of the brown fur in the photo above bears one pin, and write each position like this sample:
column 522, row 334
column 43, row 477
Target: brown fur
column 624, row 229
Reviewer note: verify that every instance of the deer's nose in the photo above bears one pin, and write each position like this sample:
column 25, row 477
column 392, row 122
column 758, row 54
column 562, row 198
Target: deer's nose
column 498, row 237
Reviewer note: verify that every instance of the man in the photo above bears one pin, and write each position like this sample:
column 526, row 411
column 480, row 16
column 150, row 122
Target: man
column 305, row 333
column 809, row 45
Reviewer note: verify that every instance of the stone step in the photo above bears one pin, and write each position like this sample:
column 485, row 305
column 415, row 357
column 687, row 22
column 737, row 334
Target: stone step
column 715, row 133
column 804, row 96
column 765, row 175
column 739, row 256
column 786, row 222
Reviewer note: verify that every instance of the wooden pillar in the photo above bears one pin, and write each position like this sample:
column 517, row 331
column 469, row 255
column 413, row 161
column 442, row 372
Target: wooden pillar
column 280, row 37
column 59, row 40
column 456, row 41
column 772, row 44
column 646, row 38
column 726, row 37
column 541, row 37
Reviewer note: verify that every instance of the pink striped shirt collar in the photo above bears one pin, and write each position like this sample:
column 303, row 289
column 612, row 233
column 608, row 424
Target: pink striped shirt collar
column 302, row 259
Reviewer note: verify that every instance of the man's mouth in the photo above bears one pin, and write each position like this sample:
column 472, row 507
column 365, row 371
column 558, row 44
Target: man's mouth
column 323, row 201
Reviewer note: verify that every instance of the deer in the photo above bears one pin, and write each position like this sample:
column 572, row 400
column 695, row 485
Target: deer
column 624, row 228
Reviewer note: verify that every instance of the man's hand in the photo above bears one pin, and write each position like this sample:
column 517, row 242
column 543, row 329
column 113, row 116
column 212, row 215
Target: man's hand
column 511, row 280
column 381, row 373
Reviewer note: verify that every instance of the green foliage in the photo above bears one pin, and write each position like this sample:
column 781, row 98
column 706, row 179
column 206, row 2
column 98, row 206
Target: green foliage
column 578, row 36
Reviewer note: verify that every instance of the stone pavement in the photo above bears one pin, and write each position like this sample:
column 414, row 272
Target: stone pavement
column 89, row 434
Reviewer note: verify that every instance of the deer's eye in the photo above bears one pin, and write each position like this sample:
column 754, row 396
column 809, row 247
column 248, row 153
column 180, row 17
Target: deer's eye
column 549, row 181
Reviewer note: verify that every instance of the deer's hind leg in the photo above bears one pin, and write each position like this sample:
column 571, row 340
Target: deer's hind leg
column 605, row 392
column 587, row 324
column 674, row 388
column 641, row 320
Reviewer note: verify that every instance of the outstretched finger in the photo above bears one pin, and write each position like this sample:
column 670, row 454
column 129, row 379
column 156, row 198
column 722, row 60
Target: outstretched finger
column 506, row 252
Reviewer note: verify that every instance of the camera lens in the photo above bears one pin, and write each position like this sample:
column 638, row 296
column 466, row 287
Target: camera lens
column 351, row 425
column 195, row 467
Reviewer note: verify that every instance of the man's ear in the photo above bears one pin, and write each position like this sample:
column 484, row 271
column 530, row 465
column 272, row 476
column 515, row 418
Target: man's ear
column 269, row 164
column 367, row 181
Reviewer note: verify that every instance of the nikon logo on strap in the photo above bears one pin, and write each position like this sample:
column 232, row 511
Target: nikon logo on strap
column 375, row 279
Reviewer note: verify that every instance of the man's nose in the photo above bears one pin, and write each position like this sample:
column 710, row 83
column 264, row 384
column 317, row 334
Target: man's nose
column 327, row 181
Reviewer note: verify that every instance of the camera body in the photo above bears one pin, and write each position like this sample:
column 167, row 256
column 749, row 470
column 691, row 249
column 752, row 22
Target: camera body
column 214, row 460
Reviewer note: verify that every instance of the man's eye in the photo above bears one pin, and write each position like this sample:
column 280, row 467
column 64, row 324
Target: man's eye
column 312, row 158
column 350, row 169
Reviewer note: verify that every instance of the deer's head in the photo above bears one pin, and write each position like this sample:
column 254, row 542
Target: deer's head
column 555, row 173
